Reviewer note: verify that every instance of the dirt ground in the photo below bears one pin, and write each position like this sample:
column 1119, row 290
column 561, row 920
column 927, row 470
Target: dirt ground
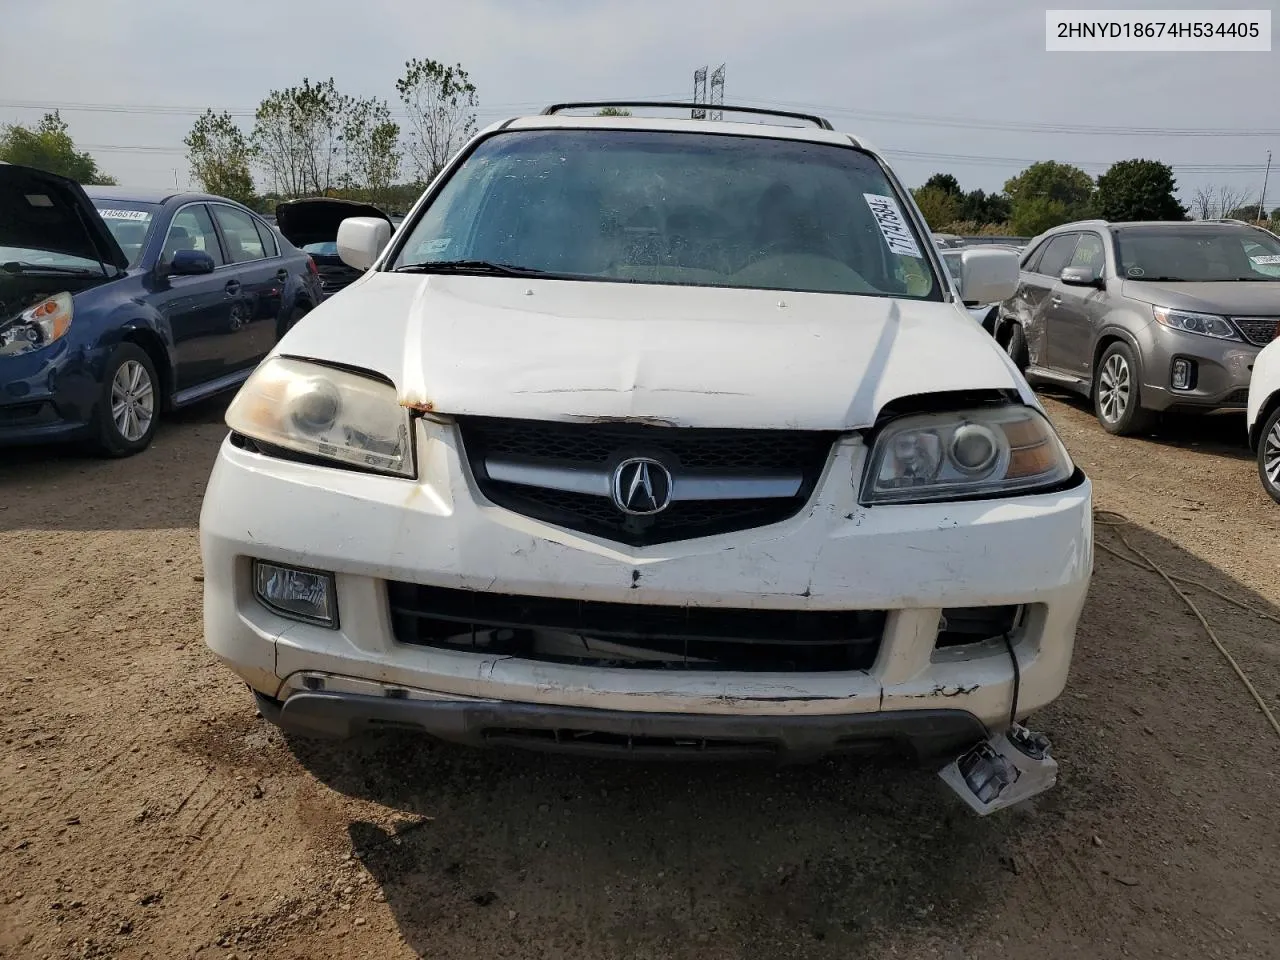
column 145, row 811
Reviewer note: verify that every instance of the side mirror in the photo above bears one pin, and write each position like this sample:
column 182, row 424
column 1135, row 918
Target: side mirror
column 190, row 263
column 361, row 239
column 1080, row 277
column 988, row 276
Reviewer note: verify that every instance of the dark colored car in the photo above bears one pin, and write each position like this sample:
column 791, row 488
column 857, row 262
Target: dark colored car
column 311, row 223
column 117, row 305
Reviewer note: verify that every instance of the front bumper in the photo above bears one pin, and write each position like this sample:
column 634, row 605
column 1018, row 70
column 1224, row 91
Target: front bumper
column 47, row 396
column 911, row 561
column 1223, row 370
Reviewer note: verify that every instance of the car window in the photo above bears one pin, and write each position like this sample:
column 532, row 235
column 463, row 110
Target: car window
column 1057, row 254
column 1090, row 254
column 1031, row 261
column 192, row 229
column 1198, row 253
column 678, row 208
column 241, row 236
column 129, row 223
column 269, row 246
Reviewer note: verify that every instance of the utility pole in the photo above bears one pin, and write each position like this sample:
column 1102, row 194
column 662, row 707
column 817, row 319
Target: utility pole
column 699, row 94
column 1262, row 198
column 717, row 92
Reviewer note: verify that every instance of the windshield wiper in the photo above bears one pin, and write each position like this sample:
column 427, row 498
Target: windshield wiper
column 18, row 266
column 474, row 267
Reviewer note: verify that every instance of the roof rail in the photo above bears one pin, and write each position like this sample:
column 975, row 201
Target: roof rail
column 817, row 121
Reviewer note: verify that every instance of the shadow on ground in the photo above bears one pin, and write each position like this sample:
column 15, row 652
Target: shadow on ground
column 43, row 488
column 1147, row 839
column 1222, row 434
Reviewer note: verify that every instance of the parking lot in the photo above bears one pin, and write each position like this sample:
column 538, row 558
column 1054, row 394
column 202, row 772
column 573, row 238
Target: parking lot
column 146, row 812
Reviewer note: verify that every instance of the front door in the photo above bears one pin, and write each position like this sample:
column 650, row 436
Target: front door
column 1075, row 311
column 197, row 308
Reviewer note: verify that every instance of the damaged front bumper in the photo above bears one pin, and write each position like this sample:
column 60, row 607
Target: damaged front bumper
column 905, row 563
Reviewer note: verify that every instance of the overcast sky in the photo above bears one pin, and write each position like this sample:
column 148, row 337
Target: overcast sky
column 131, row 75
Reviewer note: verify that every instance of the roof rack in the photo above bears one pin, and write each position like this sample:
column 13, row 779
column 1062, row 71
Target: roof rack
column 817, row 121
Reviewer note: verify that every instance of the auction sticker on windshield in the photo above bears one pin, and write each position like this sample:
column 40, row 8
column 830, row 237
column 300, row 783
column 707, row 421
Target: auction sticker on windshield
column 892, row 225
column 124, row 214
column 1266, row 261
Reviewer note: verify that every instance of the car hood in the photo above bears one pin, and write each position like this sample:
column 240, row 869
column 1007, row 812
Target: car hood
column 1233, row 298
column 687, row 356
column 316, row 219
column 44, row 211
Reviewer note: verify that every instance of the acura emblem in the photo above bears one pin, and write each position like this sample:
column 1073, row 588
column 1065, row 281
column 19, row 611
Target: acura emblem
column 641, row 487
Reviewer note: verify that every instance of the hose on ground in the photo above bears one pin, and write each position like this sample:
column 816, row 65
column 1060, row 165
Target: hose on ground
column 1121, row 521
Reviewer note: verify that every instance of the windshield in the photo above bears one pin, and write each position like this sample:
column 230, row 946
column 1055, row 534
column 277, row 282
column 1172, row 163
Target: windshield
column 328, row 248
column 677, row 208
column 129, row 223
column 1198, row 254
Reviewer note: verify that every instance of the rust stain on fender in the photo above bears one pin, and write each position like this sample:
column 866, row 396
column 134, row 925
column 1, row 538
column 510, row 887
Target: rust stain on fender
column 420, row 406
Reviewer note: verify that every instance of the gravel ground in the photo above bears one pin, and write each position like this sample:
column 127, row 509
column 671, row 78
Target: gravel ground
column 145, row 811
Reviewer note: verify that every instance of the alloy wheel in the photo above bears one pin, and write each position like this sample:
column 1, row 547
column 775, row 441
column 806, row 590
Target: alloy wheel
column 1114, row 388
column 132, row 401
column 1271, row 456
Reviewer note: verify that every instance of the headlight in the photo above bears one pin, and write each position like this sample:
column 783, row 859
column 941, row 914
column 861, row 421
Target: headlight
column 324, row 412
column 1205, row 324
column 37, row 326
column 981, row 452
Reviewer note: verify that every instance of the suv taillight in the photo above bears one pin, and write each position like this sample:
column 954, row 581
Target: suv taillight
column 311, row 265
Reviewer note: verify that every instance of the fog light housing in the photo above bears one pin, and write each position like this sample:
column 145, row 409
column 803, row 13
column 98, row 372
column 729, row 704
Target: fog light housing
column 1183, row 375
column 296, row 593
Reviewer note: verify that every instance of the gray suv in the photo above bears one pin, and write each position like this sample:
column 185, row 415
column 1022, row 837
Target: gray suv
column 1145, row 317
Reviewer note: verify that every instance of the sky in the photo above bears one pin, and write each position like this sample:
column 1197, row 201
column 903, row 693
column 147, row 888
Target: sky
column 963, row 86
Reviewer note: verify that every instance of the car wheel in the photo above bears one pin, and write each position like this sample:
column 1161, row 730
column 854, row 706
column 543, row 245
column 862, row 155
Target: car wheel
column 1016, row 347
column 129, row 405
column 1117, row 398
column 1269, row 455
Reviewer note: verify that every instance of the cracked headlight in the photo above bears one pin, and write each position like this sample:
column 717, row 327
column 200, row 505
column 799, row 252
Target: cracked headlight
column 971, row 453
column 37, row 326
column 324, row 413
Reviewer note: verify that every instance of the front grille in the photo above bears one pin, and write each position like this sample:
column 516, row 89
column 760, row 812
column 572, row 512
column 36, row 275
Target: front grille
column 1237, row 397
column 558, row 630
column 335, row 278
column 1257, row 330
column 732, row 453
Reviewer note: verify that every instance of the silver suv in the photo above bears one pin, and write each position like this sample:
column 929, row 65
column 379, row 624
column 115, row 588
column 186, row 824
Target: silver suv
column 1145, row 317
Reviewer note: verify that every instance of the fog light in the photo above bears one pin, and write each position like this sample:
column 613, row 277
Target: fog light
column 306, row 595
column 1182, row 374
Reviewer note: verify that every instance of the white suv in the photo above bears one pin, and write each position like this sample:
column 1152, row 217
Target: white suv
column 650, row 436
column 1264, row 415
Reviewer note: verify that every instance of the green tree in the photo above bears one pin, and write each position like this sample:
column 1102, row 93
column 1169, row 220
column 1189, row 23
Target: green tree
column 1139, row 190
column 944, row 182
column 297, row 134
column 982, row 207
column 441, row 105
column 49, row 147
column 371, row 148
column 938, row 206
column 1048, row 193
column 219, row 155
column 613, row 112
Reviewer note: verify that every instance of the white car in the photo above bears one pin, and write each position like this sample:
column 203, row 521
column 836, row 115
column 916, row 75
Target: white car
column 658, row 437
column 1264, row 416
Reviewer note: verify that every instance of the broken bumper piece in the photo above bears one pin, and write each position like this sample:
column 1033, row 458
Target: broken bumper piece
column 1002, row 771
column 338, row 714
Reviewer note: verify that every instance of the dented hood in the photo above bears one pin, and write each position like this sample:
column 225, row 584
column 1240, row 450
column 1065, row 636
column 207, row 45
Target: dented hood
column 689, row 356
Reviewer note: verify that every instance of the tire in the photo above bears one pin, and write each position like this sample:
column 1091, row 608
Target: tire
column 1269, row 455
column 1117, row 396
column 1016, row 347
column 129, row 404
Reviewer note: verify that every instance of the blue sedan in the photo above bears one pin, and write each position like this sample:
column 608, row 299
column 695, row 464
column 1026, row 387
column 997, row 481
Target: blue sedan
column 117, row 305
